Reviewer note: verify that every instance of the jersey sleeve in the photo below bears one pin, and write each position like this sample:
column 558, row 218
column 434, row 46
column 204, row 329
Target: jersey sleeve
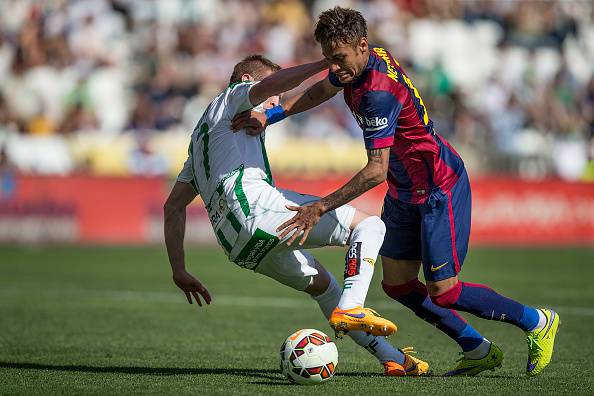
column 334, row 80
column 187, row 174
column 238, row 99
column 380, row 110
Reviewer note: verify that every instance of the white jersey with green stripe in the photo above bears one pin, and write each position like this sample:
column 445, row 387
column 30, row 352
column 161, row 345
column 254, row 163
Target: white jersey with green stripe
column 228, row 169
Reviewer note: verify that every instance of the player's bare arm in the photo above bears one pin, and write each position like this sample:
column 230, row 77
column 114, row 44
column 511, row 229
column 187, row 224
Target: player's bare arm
column 308, row 216
column 254, row 121
column 175, row 229
column 284, row 80
column 313, row 96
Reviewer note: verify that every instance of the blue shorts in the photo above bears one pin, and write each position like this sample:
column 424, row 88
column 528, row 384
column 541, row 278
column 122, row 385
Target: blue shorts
column 435, row 232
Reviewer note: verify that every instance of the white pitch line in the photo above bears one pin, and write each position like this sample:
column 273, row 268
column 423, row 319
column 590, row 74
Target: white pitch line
column 223, row 300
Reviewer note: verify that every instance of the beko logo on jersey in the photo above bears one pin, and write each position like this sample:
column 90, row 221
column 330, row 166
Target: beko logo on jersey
column 371, row 124
column 376, row 121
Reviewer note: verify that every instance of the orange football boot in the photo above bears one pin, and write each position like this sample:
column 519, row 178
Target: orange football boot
column 412, row 366
column 360, row 319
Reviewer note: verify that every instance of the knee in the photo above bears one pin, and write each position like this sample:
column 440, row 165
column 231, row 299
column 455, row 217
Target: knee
column 400, row 272
column 448, row 298
column 373, row 224
column 378, row 224
column 399, row 291
column 320, row 282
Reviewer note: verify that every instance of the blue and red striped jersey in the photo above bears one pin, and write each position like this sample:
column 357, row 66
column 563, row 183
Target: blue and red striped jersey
column 391, row 113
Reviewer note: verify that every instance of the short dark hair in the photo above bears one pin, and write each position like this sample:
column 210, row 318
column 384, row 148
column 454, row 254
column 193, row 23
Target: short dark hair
column 340, row 26
column 254, row 65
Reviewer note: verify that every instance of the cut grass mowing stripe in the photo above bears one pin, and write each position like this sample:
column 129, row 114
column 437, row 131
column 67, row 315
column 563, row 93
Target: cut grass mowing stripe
column 223, row 300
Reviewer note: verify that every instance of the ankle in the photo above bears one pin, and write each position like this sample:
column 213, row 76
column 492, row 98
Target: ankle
column 480, row 351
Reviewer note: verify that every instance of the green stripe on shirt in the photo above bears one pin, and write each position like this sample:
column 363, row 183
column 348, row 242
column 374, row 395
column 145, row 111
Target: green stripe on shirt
column 226, row 245
column 205, row 138
column 234, row 222
column 245, row 206
column 194, row 181
column 266, row 163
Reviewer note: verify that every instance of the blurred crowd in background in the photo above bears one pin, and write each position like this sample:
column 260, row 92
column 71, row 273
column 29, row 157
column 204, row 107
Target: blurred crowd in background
column 115, row 86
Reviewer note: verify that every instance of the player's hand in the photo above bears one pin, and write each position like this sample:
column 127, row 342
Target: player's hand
column 254, row 122
column 301, row 224
column 191, row 287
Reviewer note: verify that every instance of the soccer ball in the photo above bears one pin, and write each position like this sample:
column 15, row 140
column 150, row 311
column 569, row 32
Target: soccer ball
column 308, row 357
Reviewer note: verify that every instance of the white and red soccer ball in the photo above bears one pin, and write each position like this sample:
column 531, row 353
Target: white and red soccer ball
column 308, row 357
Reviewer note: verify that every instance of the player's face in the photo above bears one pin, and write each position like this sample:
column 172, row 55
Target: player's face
column 347, row 61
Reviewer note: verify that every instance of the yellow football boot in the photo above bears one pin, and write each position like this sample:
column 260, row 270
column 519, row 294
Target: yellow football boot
column 541, row 342
column 471, row 367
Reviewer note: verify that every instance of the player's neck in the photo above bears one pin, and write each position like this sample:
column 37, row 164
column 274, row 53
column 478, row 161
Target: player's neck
column 364, row 66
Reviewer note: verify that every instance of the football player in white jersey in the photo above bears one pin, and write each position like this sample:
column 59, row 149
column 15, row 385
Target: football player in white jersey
column 230, row 170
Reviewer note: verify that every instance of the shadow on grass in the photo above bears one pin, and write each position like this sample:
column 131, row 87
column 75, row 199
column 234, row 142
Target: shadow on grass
column 242, row 372
column 273, row 375
column 479, row 377
column 275, row 382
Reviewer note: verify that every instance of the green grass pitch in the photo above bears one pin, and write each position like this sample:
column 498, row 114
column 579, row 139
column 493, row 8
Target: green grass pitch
column 107, row 320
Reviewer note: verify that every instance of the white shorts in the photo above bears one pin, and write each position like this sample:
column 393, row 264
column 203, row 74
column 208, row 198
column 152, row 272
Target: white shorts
column 291, row 265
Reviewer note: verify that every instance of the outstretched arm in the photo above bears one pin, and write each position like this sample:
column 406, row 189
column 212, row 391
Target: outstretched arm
column 384, row 108
column 255, row 122
column 175, row 229
column 284, row 80
column 307, row 216
column 311, row 97
column 374, row 173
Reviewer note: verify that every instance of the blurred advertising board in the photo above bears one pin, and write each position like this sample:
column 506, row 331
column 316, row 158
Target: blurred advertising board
column 128, row 210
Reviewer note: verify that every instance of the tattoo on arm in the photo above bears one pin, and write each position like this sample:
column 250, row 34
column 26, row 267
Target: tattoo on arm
column 354, row 187
column 374, row 154
column 363, row 181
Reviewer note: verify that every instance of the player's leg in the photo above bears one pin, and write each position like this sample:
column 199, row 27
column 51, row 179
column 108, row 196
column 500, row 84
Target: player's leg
column 367, row 235
column 364, row 234
column 401, row 261
column 395, row 361
column 482, row 301
column 445, row 238
column 446, row 230
column 540, row 325
column 299, row 270
column 401, row 283
column 444, row 249
column 325, row 290
column 365, row 240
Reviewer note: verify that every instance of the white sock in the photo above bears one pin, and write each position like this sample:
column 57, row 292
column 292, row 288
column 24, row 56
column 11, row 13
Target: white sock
column 377, row 346
column 365, row 242
column 542, row 320
column 480, row 351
